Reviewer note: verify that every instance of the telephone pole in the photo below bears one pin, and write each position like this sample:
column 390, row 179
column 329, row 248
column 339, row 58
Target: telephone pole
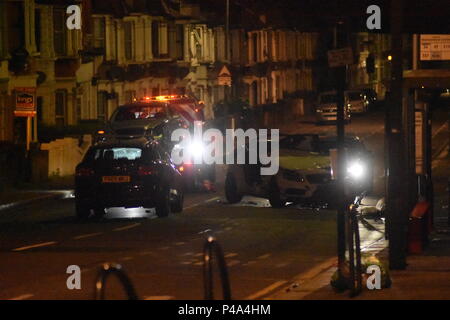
column 397, row 203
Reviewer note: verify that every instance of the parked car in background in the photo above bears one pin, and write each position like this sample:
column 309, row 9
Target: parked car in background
column 371, row 96
column 356, row 101
column 326, row 108
column 303, row 176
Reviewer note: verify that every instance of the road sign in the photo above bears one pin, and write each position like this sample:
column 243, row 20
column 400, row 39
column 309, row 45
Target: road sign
column 419, row 136
column 435, row 47
column 25, row 102
column 340, row 57
column 224, row 78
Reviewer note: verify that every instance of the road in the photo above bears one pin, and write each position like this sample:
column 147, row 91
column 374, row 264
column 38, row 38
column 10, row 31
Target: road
column 264, row 247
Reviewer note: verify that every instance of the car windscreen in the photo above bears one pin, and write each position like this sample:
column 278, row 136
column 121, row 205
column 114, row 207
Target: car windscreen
column 324, row 146
column 114, row 153
column 328, row 98
column 140, row 112
column 299, row 143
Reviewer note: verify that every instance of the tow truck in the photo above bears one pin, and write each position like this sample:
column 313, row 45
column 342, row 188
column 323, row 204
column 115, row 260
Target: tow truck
column 156, row 118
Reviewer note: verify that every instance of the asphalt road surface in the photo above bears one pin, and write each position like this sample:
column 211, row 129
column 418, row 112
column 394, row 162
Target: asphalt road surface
column 264, row 247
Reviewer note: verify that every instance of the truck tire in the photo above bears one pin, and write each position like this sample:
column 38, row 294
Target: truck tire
column 163, row 204
column 275, row 198
column 82, row 211
column 231, row 193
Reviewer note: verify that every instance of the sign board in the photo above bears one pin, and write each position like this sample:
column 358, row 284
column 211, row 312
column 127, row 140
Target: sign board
column 419, row 136
column 25, row 102
column 340, row 57
column 435, row 47
column 224, row 78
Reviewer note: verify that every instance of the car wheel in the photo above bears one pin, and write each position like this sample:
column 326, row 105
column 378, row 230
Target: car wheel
column 163, row 204
column 82, row 211
column 99, row 212
column 275, row 198
column 231, row 192
column 177, row 206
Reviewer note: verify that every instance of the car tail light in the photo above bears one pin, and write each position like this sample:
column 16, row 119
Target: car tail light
column 84, row 172
column 145, row 170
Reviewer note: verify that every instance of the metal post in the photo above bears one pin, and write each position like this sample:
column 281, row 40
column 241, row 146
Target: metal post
column 227, row 31
column 340, row 80
column 28, row 134
column 396, row 200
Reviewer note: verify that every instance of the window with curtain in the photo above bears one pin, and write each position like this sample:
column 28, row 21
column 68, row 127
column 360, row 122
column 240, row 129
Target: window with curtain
column 59, row 32
column 128, row 39
column 99, row 33
column 60, row 108
column 102, row 105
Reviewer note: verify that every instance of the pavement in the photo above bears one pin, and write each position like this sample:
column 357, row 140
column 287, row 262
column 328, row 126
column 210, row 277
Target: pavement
column 13, row 199
column 427, row 276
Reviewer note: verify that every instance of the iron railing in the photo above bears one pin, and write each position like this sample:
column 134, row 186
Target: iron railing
column 105, row 271
column 212, row 247
column 354, row 248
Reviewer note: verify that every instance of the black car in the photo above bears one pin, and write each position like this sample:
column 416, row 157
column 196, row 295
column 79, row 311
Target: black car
column 137, row 173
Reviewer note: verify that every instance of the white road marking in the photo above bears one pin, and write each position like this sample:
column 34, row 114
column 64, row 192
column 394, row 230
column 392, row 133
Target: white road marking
column 163, row 248
column 127, row 227
column 23, row 297
column 126, row 258
column 228, row 228
column 89, row 235
column 249, row 263
column 186, row 262
column 264, row 256
column 145, row 253
column 159, row 298
column 180, row 243
column 266, row 290
column 233, row 263
column 281, row 265
column 197, row 204
column 35, row 246
column 231, row 255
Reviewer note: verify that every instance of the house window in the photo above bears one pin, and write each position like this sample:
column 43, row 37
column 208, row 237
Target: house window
column 129, row 96
column 78, row 109
column 37, row 29
column 102, row 105
column 59, row 32
column 128, row 30
column 155, row 39
column 15, row 25
column 39, row 104
column 160, row 48
column 99, row 32
column 180, row 42
column 255, row 47
column 60, row 108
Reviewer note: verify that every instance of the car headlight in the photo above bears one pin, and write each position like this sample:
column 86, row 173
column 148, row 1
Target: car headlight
column 356, row 170
column 196, row 148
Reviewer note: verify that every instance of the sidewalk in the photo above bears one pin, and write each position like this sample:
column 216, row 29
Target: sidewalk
column 18, row 198
column 427, row 275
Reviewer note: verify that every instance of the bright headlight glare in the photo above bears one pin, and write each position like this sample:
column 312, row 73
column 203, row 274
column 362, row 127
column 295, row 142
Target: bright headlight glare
column 196, row 148
column 356, row 170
